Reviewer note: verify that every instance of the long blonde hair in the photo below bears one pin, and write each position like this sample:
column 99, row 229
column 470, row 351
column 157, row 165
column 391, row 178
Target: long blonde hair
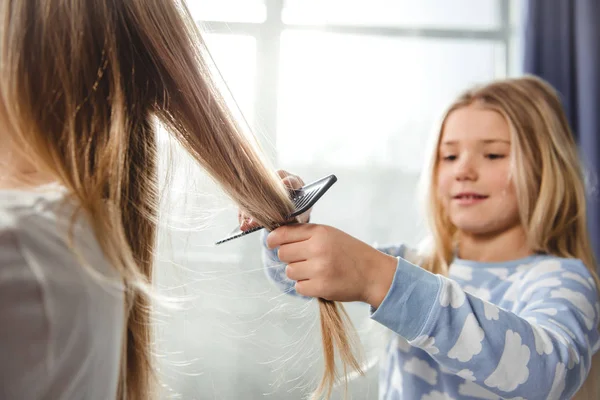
column 80, row 85
column 548, row 179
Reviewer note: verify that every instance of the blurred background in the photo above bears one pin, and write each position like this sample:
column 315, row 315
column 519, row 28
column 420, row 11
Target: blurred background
column 346, row 87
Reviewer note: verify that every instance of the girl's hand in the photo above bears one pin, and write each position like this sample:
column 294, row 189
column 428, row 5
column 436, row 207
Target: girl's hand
column 328, row 263
column 291, row 181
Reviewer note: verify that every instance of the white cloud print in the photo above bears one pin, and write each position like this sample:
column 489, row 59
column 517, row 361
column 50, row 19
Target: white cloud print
column 445, row 370
column 548, row 282
column 468, row 343
column 436, row 395
column 421, row 369
column 426, row 343
column 573, row 354
column 402, row 344
column 578, row 278
column 461, row 271
column 542, row 268
column 491, row 311
column 512, row 368
column 513, row 292
column 466, row 374
column 564, row 328
column 558, row 385
column 579, row 301
column 543, row 344
column 547, row 311
column 452, row 294
column 482, row 293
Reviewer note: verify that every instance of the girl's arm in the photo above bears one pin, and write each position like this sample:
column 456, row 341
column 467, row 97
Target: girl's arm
column 275, row 268
column 540, row 349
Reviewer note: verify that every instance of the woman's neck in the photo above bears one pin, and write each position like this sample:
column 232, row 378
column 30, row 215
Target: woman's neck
column 18, row 173
column 27, row 180
column 507, row 245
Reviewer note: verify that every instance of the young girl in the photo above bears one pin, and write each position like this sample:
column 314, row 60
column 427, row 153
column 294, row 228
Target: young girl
column 82, row 83
column 505, row 302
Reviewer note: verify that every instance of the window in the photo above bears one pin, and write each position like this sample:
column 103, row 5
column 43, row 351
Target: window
column 437, row 14
column 228, row 10
column 349, row 100
column 350, row 87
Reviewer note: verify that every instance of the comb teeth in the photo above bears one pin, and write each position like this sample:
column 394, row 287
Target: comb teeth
column 240, row 234
column 304, row 200
column 300, row 197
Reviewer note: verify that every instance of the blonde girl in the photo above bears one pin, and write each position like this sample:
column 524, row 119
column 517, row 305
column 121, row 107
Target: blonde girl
column 504, row 301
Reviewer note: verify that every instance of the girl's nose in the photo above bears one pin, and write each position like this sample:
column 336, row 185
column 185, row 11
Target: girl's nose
column 466, row 169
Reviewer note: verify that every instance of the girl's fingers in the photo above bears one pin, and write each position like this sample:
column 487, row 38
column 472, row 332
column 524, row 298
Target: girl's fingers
column 298, row 271
column 288, row 234
column 293, row 182
column 293, row 252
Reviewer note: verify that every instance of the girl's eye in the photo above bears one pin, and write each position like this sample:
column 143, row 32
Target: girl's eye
column 450, row 157
column 494, row 156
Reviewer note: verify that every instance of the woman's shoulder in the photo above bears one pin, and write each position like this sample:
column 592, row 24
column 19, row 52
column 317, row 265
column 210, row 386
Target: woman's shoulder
column 43, row 229
column 36, row 222
column 22, row 209
column 27, row 217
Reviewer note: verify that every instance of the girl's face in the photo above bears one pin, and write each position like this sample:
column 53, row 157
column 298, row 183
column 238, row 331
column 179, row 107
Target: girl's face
column 473, row 173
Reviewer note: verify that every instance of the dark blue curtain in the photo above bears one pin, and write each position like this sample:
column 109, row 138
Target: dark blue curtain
column 562, row 46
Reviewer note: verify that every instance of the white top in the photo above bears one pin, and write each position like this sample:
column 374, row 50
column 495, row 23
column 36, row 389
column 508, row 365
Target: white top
column 60, row 325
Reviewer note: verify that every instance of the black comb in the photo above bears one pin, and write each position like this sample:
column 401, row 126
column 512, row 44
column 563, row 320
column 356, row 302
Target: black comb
column 303, row 198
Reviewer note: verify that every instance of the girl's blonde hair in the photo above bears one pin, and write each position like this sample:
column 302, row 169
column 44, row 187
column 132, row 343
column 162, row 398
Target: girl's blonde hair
column 81, row 83
column 547, row 176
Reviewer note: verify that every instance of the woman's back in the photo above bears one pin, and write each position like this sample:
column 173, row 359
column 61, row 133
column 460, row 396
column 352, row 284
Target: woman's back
column 61, row 326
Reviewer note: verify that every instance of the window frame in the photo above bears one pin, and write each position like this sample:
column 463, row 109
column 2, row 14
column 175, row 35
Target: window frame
column 268, row 33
